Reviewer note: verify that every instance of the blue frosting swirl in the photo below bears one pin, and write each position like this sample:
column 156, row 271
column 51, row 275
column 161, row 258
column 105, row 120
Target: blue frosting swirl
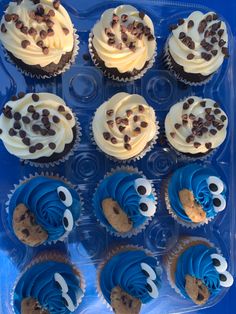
column 192, row 177
column 38, row 282
column 120, row 186
column 196, row 261
column 124, row 270
column 40, row 196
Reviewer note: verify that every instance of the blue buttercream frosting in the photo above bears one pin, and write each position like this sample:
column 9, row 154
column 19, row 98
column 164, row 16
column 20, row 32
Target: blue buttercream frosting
column 192, row 177
column 124, row 270
column 39, row 283
column 120, row 186
column 196, row 261
column 40, row 195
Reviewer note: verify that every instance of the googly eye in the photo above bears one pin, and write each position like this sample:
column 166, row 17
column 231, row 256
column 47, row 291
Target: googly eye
column 215, row 185
column 226, row 279
column 152, row 289
column 148, row 271
column 68, row 302
column 219, row 262
column 68, row 221
column 65, row 196
column 143, row 187
column 219, row 203
column 147, row 207
column 61, row 282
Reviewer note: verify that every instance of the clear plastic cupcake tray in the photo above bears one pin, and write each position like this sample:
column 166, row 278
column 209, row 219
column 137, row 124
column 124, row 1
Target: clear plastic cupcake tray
column 84, row 88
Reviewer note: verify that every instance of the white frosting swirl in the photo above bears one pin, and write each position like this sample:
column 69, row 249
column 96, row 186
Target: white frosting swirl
column 63, row 128
column 196, row 63
column 129, row 120
column 124, row 60
column 58, row 44
column 190, row 129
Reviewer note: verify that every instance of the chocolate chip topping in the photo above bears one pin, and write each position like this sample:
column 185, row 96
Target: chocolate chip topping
column 40, row 43
column 19, row 24
column 25, row 44
column 61, row 108
column 52, row 146
column 56, row 4
column 31, row 109
column 196, row 144
column 144, row 124
column 26, row 141
column 55, row 119
column 68, row 116
column 106, row 136
column 208, row 145
column 8, row 17
column 3, row 28
column 141, row 108
column 45, row 50
column 114, row 140
column 26, row 119
column 121, row 128
column 32, row 149
column 124, row 18
column 66, row 31
column 126, row 138
column 127, row 146
column 17, row 125
column 136, row 118
column 12, row 132
column 190, row 23
column 35, row 116
column 35, row 97
column 141, row 15
column 181, row 21
column 110, row 112
column 190, row 56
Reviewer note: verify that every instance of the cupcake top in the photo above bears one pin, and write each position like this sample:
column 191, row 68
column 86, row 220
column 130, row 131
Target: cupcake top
column 124, row 38
column 38, row 32
column 36, row 125
column 199, row 43
column 124, row 201
column 196, row 193
column 42, row 210
column 201, row 272
column 124, row 125
column 135, row 273
column 196, row 125
column 50, row 286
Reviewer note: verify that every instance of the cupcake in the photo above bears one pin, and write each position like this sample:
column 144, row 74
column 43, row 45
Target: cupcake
column 124, row 127
column 197, row 47
column 195, row 195
column 129, row 279
column 124, row 202
column 49, row 285
column 38, row 127
column 197, row 270
column 38, row 36
column 196, row 126
column 122, row 43
column 42, row 210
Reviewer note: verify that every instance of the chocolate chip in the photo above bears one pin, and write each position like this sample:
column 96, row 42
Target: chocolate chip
column 25, row 44
column 35, row 116
column 190, row 139
column 43, row 132
column 172, row 134
column 17, row 116
column 187, row 41
column 111, row 41
column 146, row 31
column 66, row 31
column 8, row 17
column 17, row 125
column 68, row 116
column 12, row 132
column 190, row 56
column 39, row 146
column 172, row 27
column 51, row 13
column 7, row 112
column 182, row 35
column 55, row 119
column 45, row 112
column 222, row 42
column 14, row 17
column 56, row 4
column 31, row 109
column 25, row 232
column 26, row 119
column 220, row 32
column 204, row 130
column 0, row 131
column 219, row 127
column 35, row 97
column 24, row 30
column 3, row 28
column 125, row 121
column 26, row 141
column 114, row 140
column 177, row 125
column 190, row 23
column 151, row 37
column 202, row 26
column 185, row 106
column 124, row 37
column 50, row 32
column 192, row 116
column 40, row 43
column 19, row 24
column 217, row 111
column 132, row 46
column 106, row 136
column 32, row 31
column 110, row 123
column 206, row 56
column 144, row 124
column 43, row 34
column 225, row 52
column 50, row 24
column 137, row 130
column 141, row 108
column 208, row 145
column 129, row 112
column 196, row 144
column 61, row 108
column 121, row 128
column 22, row 133
column 124, row 18
column 181, row 21
column 32, row 149
column 45, row 50
column 214, row 40
column 36, row 127
column 213, row 131
column 115, row 18
column 208, row 110
column 51, row 132
column 126, row 138
column 223, row 118
column 127, row 146
column 52, row 146
column 214, row 52
column 141, row 15
column 45, row 120
column 209, row 18
column 136, row 118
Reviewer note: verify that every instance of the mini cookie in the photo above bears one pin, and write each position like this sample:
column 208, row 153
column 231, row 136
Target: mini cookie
column 123, row 303
column 30, row 305
column 196, row 290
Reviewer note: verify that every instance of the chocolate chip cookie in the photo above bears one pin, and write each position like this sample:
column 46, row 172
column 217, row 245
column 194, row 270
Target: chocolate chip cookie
column 123, row 303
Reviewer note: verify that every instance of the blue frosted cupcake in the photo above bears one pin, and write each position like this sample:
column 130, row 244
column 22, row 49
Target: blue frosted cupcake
column 42, row 210
column 195, row 195
column 129, row 278
column 124, row 202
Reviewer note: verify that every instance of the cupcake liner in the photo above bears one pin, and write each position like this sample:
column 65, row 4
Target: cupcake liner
column 53, row 176
column 66, row 67
column 139, row 229
column 112, row 76
column 47, row 256
column 72, row 151
column 147, row 149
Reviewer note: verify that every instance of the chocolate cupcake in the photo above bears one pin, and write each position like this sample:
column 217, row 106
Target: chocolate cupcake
column 196, row 126
column 122, row 43
column 39, row 128
column 125, row 127
column 39, row 37
column 197, row 47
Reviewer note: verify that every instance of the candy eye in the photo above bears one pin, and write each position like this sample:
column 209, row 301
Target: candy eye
column 68, row 221
column 65, row 196
column 215, row 185
column 219, row 262
column 219, row 203
column 148, row 271
column 152, row 289
column 147, row 207
column 143, row 187
column 226, row 279
column 61, row 282
column 68, row 302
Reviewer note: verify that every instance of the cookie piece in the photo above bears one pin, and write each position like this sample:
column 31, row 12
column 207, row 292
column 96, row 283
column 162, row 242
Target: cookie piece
column 193, row 210
column 116, row 216
column 196, row 290
column 25, row 227
column 123, row 303
column 31, row 306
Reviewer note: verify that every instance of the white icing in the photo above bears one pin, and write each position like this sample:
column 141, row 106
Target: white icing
column 179, row 51
column 124, row 60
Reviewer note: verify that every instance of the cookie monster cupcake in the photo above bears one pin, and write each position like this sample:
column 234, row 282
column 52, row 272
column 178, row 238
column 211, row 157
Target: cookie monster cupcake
column 49, row 285
column 123, row 44
column 195, row 195
column 129, row 278
column 39, row 37
column 124, row 202
column 197, row 270
column 197, row 47
column 42, row 210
